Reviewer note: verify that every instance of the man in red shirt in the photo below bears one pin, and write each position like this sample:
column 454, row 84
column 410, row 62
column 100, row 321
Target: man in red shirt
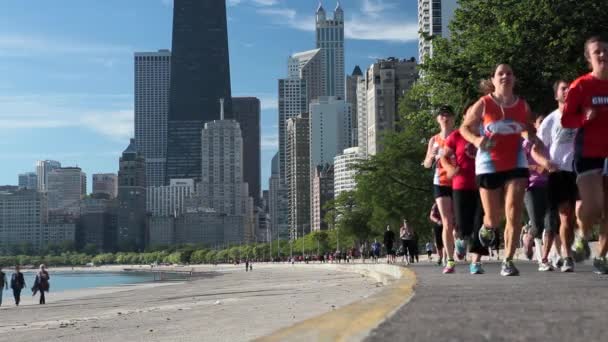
column 586, row 108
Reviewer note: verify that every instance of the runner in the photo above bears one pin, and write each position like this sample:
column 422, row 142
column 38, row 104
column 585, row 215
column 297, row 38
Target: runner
column 389, row 240
column 562, row 191
column 500, row 165
column 467, row 204
column 586, row 108
column 442, row 185
column 536, row 200
column 435, row 217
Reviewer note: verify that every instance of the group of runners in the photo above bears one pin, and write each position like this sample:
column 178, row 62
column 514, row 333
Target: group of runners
column 504, row 159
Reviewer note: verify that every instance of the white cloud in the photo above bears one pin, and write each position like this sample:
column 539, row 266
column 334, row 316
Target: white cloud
column 114, row 121
column 375, row 20
column 19, row 45
column 266, row 2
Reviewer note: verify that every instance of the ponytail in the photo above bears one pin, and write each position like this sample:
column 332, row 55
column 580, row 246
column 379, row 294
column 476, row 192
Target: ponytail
column 486, row 86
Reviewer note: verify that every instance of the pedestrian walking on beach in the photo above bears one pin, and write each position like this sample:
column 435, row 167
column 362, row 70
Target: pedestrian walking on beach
column 3, row 284
column 41, row 283
column 17, row 284
column 246, row 265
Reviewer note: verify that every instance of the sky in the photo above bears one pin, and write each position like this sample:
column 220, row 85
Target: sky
column 66, row 68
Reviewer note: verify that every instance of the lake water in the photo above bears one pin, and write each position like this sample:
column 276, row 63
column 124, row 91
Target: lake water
column 62, row 281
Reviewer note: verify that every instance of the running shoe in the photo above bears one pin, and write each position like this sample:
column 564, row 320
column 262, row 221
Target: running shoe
column 486, row 236
column 450, row 267
column 476, row 268
column 558, row 263
column 568, row 265
column 545, row 266
column 440, row 262
column 580, row 249
column 509, row 269
column 600, row 265
column 528, row 246
column 461, row 248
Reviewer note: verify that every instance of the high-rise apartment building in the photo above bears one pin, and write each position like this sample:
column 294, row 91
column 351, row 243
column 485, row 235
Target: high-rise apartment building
column 330, row 123
column 433, row 19
column 387, row 81
column 131, row 199
column 105, row 183
column 362, row 113
column 222, row 186
column 66, row 186
column 246, row 111
column 344, row 171
column 351, row 97
column 292, row 102
column 277, row 202
column 330, row 39
column 28, row 180
column 309, row 66
column 22, row 213
column 322, row 191
column 97, row 222
column 152, row 82
column 169, row 200
column 298, row 175
column 200, row 76
column 43, row 167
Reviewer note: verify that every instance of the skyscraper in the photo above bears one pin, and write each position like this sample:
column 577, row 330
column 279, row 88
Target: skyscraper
column 66, row 187
column 344, row 171
column 105, row 183
column 322, row 191
column 152, row 81
column 131, row 199
column 200, row 76
column 330, row 39
column 28, row 180
column 330, row 122
column 351, row 97
column 387, row 81
column 277, row 202
column 293, row 99
column 43, row 167
column 246, row 111
column 433, row 19
column 298, row 175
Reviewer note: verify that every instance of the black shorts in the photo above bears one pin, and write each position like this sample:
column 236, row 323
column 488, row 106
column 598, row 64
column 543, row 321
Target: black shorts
column 562, row 189
column 492, row 181
column 442, row 191
column 389, row 249
column 582, row 165
column 438, row 230
column 468, row 213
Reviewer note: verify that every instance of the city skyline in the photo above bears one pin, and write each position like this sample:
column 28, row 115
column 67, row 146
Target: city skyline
column 38, row 114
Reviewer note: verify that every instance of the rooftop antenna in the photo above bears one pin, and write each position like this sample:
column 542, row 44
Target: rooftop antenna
column 222, row 108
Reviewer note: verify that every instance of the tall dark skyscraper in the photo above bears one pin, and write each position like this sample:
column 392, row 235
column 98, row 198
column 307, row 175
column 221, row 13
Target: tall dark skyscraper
column 246, row 112
column 200, row 76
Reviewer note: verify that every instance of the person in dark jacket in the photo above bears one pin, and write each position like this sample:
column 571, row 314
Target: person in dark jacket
column 3, row 284
column 42, row 283
column 17, row 284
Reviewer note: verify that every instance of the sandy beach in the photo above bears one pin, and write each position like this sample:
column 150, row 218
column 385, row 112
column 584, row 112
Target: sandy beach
column 224, row 304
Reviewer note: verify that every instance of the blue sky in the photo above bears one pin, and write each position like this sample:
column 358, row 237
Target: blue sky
column 66, row 66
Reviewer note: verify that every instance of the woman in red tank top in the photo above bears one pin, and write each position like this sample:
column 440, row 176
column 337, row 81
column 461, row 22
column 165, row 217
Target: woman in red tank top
column 495, row 124
column 442, row 185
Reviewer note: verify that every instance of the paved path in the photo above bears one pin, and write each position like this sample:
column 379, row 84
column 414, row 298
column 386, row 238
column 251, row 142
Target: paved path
column 535, row 306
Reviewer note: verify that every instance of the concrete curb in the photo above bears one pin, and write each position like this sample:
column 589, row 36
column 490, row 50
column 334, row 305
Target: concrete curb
column 355, row 321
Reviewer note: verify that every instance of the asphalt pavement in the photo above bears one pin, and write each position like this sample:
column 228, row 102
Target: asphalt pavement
column 534, row 306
